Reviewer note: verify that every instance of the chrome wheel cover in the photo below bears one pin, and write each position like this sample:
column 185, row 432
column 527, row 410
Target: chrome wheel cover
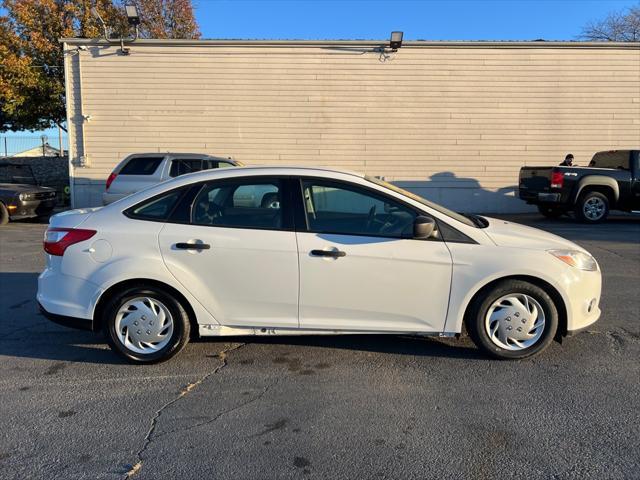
column 593, row 208
column 515, row 321
column 144, row 325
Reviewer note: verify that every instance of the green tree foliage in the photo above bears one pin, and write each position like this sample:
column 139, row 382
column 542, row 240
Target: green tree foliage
column 31, row 57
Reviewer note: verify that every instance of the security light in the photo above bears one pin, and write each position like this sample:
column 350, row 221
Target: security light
column 396, row 40
column 132, row 14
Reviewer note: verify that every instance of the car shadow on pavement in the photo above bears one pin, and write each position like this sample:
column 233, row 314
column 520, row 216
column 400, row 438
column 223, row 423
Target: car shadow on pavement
column 28, row 334
column 386, row 344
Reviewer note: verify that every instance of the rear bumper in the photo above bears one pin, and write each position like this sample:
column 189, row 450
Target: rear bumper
column 66, row 321
column 539, row 197
column 64, row 297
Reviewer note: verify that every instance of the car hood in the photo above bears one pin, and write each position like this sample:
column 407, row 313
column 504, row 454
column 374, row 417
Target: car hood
column 514, row 235
column 71, row 218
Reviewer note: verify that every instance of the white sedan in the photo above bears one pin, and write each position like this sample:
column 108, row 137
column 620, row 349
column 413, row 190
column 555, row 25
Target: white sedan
column 292, row 251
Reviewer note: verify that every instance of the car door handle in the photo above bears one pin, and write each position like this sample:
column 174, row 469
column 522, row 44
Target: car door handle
column 328, row 253
column 193, row 246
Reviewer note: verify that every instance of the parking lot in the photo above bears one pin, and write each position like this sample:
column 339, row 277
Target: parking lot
column 322, row 407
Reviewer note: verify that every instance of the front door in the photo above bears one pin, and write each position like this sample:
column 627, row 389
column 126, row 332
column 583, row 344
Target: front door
column 359, row 268
column 235, row 251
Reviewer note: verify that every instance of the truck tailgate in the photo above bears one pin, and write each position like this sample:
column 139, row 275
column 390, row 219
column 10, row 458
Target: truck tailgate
column 535, row 179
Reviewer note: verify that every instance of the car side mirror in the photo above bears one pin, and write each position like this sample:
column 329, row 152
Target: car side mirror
column 423, row 227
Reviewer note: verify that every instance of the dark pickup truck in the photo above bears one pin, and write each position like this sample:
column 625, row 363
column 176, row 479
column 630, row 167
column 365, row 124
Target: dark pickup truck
column 611, row 181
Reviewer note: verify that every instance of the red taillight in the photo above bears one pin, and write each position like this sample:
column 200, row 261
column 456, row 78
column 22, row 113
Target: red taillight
column 110, row 180
column 557, row 179
column 56, row 240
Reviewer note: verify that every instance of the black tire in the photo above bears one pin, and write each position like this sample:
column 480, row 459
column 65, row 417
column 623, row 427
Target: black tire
column 550, row 212
column 590, row 198
column 181, row 326
column 475, row 320
column 4, row 214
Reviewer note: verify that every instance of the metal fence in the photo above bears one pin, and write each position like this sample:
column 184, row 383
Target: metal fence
column 32, row 145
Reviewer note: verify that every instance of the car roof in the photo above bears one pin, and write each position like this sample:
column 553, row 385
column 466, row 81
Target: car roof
column 175, row 154
column 272, row 170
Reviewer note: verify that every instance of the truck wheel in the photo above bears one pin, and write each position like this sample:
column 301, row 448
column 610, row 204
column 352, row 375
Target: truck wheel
column 592, row 207
column 4, row 214
column 550, row 212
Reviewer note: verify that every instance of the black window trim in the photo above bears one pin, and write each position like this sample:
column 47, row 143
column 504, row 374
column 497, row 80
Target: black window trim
column 294, row 212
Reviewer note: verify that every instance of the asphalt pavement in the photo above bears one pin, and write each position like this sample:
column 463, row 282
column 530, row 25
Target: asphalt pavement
column 322, row 407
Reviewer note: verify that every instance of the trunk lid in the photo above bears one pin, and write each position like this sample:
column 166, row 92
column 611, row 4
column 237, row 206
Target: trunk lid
column 71, row 218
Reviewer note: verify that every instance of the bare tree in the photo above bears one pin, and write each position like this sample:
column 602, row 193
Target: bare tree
column 617, row 27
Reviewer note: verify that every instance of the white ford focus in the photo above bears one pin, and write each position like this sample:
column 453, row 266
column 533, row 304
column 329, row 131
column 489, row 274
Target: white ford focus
column 282, row 251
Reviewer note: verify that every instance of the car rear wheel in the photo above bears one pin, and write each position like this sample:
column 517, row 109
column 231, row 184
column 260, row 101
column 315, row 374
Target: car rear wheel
column 513, row 320
column 592, row 207
column 146, row 324
column 4, row 214
column 549, row 211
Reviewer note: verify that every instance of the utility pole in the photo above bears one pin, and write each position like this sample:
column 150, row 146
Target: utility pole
column 60, row 141
column 5, row 147
column 44, row 142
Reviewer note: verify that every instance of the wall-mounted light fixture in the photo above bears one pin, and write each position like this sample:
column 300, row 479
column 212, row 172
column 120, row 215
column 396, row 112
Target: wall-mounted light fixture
column 134, row 20
column 395, row 42
column 132, row 15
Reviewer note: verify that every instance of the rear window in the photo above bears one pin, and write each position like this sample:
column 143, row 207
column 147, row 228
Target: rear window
column 613, row 159
column 157, row 208
column 141, row 166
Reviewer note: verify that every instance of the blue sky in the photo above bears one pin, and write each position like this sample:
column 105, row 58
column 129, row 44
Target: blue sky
column 418, row 19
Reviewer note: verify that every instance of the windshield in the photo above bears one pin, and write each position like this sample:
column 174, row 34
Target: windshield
column 424, row 201
column 16, row 174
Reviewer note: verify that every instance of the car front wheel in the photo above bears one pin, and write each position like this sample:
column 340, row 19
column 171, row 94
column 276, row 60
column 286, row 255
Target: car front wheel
column 146, row 324
column 513, row 320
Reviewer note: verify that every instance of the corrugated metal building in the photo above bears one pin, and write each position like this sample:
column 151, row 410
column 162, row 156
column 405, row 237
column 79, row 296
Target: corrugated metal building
column 452, row 121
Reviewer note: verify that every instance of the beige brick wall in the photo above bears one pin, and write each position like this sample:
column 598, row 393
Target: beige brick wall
column 453, row 122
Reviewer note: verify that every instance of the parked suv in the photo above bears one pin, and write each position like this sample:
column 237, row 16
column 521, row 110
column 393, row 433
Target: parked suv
column 21, row 196
column 611, row 181
column 142, row 170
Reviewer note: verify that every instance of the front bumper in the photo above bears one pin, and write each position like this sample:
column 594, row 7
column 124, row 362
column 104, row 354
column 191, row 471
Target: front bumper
column 583, row 302
column 31, row 208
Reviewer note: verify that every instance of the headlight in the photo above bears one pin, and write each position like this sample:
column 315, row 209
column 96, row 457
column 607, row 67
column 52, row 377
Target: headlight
column 576, row 258
column 23, row 196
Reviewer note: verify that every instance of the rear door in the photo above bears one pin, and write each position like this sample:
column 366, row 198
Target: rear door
column 359, row 267
column 234, row 248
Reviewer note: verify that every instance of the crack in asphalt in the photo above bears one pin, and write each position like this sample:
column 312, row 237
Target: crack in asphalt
column 156, row 417
column 225, row 412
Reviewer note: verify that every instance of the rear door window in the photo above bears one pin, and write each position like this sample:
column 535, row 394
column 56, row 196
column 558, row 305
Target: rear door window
column 141, row 166
column 614, row 159
column 182, row 166
column 242, row 203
